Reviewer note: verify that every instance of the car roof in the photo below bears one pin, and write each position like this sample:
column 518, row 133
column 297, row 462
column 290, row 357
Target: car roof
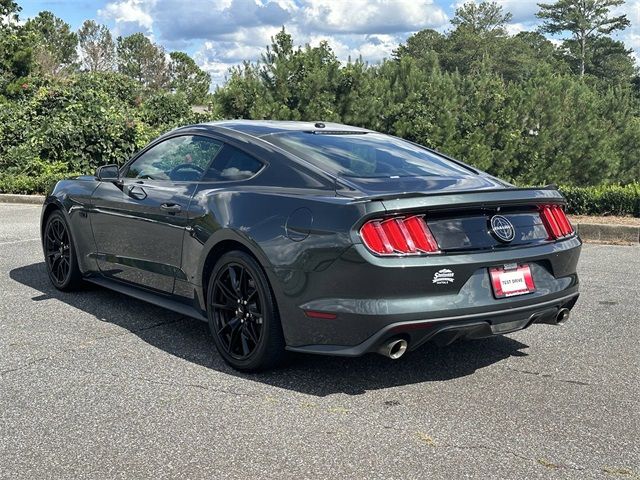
column 259, row 128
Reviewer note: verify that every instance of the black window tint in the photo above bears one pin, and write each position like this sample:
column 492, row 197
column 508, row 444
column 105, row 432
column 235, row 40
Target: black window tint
column 366, row 155
column 232, row 164
column 182, row 158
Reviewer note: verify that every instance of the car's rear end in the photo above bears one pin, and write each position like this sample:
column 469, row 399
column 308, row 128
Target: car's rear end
column 439, row 252
column 433, row 268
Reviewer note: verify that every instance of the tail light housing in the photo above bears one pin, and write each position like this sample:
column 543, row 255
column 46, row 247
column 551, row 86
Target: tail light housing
column 555, row 221
column 399, row 236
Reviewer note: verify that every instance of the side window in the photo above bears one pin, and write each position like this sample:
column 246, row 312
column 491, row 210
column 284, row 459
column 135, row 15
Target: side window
column 232, row 164
column 178, row 159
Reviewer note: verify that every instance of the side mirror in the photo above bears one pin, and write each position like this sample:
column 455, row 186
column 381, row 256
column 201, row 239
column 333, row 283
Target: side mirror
column 108, row 173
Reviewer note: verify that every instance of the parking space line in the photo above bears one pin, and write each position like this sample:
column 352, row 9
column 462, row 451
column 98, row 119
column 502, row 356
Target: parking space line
column 19, row 241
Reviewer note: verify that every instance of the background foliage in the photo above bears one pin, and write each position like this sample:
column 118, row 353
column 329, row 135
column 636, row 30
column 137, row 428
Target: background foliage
column 518, row 106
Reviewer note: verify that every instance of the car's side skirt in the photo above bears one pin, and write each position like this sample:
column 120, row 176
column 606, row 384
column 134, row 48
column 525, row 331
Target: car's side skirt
column 150, row 297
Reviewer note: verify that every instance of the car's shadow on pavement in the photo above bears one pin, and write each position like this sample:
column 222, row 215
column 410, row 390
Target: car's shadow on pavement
column 189, row 339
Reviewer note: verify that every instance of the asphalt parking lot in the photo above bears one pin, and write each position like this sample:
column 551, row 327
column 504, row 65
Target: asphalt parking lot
column 97, row 385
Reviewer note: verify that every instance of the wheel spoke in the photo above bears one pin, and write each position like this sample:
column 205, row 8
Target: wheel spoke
column 244, row 345
column 57, row 231
column 241, row 282
column 250, row 333
column 225, row 291
column 51, row 236
column 229, row 324
column 235, row 330
column 250, row 296
column 234, row 281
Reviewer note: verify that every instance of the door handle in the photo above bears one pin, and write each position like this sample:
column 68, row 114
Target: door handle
column 171, row 207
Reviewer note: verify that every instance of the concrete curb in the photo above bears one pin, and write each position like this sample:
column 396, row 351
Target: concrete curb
column 599, row 232
column 14, row 198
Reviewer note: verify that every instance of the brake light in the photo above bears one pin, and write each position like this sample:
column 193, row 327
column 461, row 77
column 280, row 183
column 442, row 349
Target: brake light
column 399, row 236
column 555, row 221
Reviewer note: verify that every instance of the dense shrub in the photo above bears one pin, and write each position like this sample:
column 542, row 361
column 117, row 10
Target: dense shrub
column 75, row 124
column 603, row 200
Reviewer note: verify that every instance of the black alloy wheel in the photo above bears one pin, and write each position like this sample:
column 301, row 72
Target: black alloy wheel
column 62, row 266
column 242, row 314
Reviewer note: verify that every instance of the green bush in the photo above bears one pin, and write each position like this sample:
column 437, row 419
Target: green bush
column 603, row 200
column 30, row 184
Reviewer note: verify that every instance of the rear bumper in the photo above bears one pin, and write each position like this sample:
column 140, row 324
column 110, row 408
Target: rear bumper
column 446, row 330
column 368, row 296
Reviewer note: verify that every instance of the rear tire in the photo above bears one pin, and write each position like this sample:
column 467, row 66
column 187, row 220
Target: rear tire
column 243, row 316
column 60, row 254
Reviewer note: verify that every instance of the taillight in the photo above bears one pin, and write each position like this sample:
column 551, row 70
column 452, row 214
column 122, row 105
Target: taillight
column 399, row 236
column 555, row 221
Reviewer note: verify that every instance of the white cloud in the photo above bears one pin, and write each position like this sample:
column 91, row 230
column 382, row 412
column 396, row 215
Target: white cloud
column 129, row 14
column 228, row 32
column 631, row 35
column 371, row 16
column 522, row 11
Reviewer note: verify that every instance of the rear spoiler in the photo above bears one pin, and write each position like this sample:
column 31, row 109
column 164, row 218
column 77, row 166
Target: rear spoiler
column 488, row 197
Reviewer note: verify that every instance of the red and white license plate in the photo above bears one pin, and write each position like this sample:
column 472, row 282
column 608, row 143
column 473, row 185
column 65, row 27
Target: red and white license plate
column 511, row 281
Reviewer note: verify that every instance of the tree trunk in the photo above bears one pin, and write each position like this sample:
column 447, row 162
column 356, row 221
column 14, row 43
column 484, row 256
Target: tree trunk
column 582, row 54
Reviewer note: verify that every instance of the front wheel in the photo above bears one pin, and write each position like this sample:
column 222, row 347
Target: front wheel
column 243, row 316
column 60, row 255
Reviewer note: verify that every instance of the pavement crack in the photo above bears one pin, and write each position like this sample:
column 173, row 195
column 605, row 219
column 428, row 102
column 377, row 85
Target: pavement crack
column 547, row 376
column 495, row 450
column 24, row 366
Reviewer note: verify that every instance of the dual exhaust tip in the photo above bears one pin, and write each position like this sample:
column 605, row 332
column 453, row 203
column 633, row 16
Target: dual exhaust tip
column 560, row 318
column 394, row 349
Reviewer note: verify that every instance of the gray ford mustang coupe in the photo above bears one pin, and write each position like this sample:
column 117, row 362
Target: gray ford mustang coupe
column 317, row 238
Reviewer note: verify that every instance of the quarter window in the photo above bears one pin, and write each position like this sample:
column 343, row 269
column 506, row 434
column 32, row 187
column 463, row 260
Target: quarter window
column 177, row 159
column 232, row 164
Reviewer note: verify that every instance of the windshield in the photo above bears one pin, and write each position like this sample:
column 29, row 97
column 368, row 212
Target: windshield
column 367, row 155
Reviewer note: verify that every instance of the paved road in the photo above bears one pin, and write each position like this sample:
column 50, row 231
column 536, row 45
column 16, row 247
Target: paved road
column 96, row 385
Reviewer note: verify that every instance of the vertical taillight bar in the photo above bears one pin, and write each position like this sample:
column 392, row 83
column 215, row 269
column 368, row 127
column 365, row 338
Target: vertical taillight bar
column 399, row 236
column 555, row 221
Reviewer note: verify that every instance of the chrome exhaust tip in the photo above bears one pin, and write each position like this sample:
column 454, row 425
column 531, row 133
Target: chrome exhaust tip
column 562, row 316
column 394, row 349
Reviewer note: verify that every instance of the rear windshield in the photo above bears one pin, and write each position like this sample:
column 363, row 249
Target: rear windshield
column 366, row 155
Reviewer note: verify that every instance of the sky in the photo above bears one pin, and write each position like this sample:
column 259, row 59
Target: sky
column 223, row 33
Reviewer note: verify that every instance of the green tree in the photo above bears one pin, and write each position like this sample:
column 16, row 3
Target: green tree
column 143, row 60
column 426, row 47
column 483, row 18
column 188, row 78
column 477, row 38
column 98, row 50
column 55, row 51
column 607, row 59
column 9, row 10
column 301, row 83
column 16, row 45
column 243, row 95
column 586, row 20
